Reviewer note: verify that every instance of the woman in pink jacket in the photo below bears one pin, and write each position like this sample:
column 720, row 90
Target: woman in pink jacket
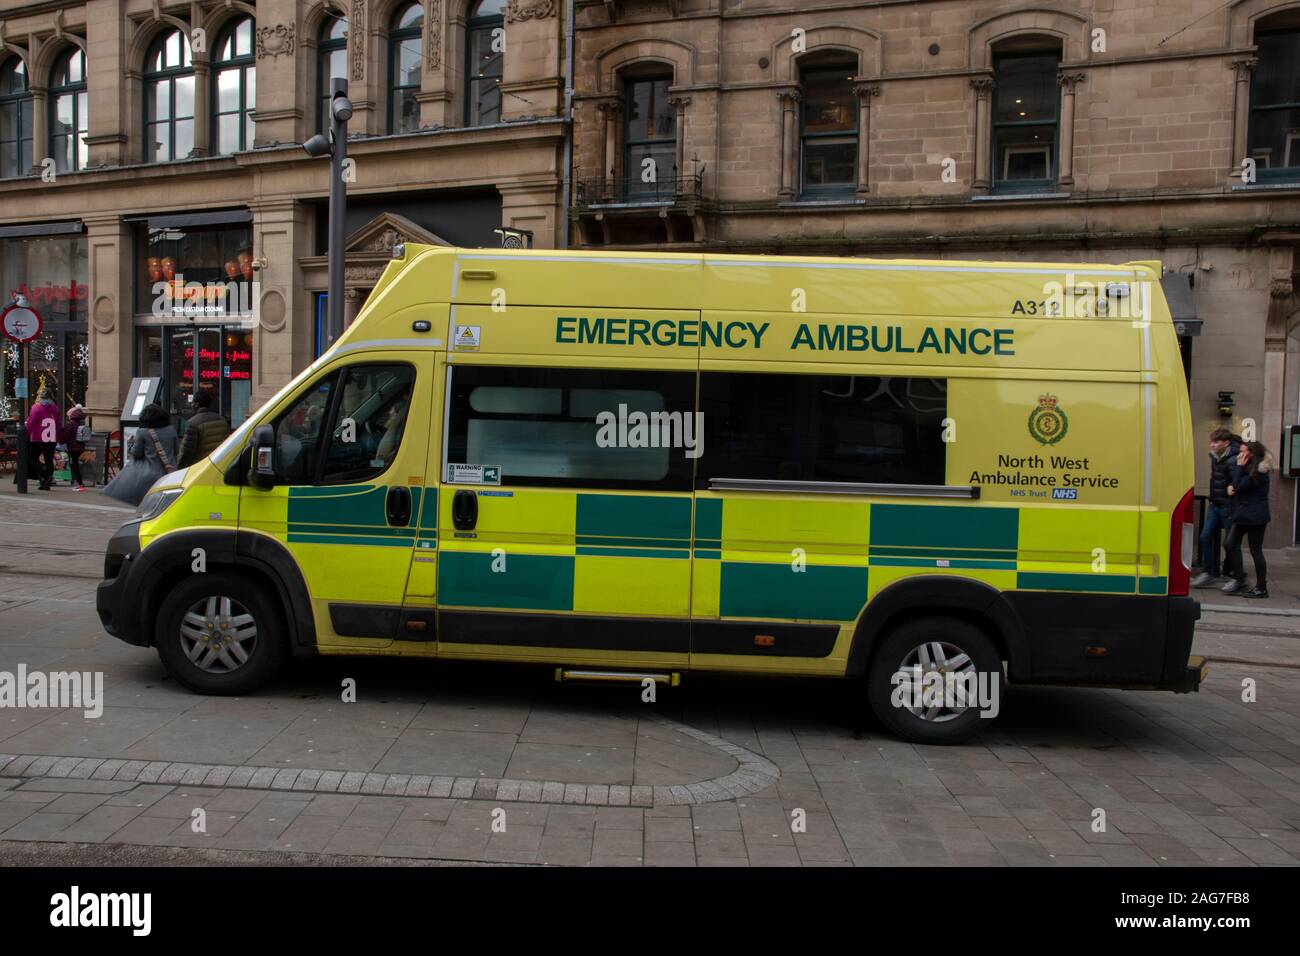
column 43, row 435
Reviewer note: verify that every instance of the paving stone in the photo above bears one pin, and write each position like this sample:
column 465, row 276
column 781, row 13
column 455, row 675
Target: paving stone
column 329, row 781
column 395, row 785
column 173, row 773
column 104, row 771
column 418, row 785
column 351, row 782
column 241, row 777
column 131, row 770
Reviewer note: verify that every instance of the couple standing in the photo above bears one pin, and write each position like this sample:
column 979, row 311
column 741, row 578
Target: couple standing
column 1239, row 479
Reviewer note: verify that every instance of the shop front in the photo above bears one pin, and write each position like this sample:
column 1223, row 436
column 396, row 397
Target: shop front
column 46, row 264
column 196, row 290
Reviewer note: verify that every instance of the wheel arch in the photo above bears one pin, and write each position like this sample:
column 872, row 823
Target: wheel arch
column 169, row 560
column 930, row 595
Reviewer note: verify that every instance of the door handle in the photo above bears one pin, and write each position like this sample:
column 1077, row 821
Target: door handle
column 398, row 506
column 464, row 510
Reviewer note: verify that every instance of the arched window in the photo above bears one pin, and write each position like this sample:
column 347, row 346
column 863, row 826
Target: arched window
column 168, row 99
column 331, row 64
column 234, row 89
column 649, row 136
column 1273, row 140
column 15, row 119
column 405, row 56
column 829, row 129
column 1026, row 118
column 484, row 47
column 68, row 111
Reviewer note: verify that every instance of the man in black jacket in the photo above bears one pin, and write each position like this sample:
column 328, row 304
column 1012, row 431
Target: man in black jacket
column 1224, row 447
column 203, row 432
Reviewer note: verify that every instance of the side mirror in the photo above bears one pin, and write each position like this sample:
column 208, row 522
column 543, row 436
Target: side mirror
column 262, row 472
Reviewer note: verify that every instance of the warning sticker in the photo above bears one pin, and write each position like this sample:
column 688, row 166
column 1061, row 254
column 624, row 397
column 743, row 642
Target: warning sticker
column 467, row 337
column 473, row 474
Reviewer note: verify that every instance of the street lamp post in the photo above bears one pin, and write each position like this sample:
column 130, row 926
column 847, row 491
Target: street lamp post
column 335, row 145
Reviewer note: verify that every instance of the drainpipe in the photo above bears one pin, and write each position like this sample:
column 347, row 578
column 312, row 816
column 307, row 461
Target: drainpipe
column 568, row 122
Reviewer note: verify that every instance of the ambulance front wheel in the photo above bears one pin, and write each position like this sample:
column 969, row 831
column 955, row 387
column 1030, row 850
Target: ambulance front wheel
column 220, row 634
column 936, row 680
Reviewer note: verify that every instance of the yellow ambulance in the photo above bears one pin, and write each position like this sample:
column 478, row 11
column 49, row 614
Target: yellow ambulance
column 936, row 477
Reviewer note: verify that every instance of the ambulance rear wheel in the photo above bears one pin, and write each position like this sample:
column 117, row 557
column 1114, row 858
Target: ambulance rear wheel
column 936, row 680
column 220, row 634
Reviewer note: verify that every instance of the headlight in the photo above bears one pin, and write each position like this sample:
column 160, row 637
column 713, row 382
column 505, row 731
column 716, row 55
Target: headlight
column 156, row 502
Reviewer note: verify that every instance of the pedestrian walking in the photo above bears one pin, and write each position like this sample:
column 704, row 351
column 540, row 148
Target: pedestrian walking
column 1248, row 494
column 1224, row 446
column 152, row 455
column 43, row 435
column 74, row 436
column 203, row 432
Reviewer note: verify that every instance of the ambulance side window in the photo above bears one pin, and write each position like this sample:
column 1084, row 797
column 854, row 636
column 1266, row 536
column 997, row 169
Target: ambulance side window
column 586, row 428
column 298, row 434
column 368, row 422
column 866, row 429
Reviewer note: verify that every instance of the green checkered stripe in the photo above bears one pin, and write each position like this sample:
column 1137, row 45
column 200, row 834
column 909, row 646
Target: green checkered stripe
column 356, row 515
column 606, row 526
column 923, row 537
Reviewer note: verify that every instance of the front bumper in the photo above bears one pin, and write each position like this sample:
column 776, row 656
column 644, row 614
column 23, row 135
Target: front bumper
column 116, row 599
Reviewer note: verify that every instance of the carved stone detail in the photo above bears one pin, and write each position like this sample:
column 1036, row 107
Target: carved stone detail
column 864, row 91
column 1280, row 288
column 357, row 39
column 1068, row 81
column 274, row 41
column 433, row 33
column 1244, row 66
column 363, row 274
column 518, row 10
column 385, row 241
column 982, row 85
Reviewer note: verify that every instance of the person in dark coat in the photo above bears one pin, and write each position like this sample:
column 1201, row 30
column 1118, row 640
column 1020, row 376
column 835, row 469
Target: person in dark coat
column 76, row 418
column 1224, row 447
column 1248, row 497
column 203, row 433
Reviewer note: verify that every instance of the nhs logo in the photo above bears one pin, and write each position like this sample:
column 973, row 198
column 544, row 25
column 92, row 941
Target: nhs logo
column 1065, row 494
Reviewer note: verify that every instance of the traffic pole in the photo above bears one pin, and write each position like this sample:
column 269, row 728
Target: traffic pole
column 24, row 444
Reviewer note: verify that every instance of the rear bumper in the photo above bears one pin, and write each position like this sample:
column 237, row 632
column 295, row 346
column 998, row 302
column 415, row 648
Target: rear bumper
column 1108, row 640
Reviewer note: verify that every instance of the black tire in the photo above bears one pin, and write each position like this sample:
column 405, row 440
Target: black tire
column 897, row 650
column 263, row 654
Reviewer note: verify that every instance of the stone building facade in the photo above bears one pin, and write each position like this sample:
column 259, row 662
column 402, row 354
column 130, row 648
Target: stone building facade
column 1092, row 130
column 159, row 142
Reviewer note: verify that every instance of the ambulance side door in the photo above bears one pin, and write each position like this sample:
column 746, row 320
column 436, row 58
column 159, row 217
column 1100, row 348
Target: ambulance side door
column 553, row 545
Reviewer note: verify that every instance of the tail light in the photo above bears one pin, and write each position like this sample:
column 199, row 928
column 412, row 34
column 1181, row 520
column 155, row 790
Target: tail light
column 1182, row 542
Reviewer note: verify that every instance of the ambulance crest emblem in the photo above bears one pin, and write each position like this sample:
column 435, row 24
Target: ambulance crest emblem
column 1048, row 422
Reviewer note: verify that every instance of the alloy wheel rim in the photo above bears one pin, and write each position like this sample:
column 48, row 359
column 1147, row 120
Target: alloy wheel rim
column 218, row 634
column 931, row 661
